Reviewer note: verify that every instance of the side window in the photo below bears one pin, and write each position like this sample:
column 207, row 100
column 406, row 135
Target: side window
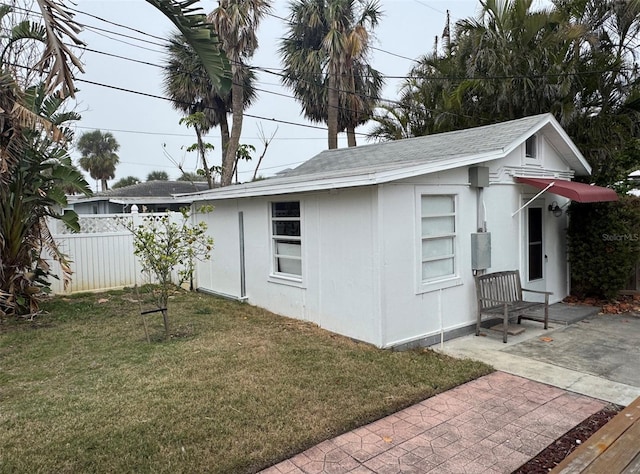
column 286, row 238
column 531, row 147
column 438, row 237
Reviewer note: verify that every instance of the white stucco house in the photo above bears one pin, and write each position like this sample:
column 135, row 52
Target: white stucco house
column 375, row 242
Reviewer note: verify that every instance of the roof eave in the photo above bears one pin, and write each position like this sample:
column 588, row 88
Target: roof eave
column 322, row 182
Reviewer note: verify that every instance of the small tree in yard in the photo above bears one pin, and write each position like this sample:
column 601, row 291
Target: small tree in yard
column 168, row 250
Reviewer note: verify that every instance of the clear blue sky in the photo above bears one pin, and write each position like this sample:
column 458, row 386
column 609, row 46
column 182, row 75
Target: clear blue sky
column 143, row 125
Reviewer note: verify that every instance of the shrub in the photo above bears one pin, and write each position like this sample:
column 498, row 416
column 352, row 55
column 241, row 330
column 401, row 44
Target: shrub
column 604, row 245
column 167, row 250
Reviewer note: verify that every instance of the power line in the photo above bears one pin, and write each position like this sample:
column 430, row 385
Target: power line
column 257, row 117
column 266, row 70
column 174, row 134
column 124, row 42
column 103, row 30
column 164, row 39
column 119, row 25
column 396, row 55
column 271, row 70
column 429, row 6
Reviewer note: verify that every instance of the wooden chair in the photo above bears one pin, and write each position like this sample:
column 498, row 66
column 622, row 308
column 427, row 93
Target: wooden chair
column 500, row 294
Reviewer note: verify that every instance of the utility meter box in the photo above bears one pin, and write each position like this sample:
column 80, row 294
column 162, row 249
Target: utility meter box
column 480, row 250
column 479, row 176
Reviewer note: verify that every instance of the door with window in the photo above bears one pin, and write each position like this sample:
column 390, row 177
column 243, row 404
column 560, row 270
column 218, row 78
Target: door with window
column 534, row 258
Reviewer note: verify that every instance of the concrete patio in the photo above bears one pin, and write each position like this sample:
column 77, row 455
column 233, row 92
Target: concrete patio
column 548, row 381
column 491, row 425
column 582, row 351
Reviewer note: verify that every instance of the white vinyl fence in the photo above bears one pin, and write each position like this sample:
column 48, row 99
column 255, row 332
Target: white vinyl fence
column 101, row 253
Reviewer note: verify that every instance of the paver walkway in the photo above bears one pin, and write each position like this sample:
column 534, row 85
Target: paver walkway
column 490, row 425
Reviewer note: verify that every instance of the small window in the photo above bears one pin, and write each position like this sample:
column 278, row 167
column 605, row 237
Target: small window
column 438, row 237
column 531, row 150
column 286, row 238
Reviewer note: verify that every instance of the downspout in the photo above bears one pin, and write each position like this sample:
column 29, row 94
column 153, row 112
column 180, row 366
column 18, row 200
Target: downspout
column 440, row 318
column 481, row 220
column 243, row 283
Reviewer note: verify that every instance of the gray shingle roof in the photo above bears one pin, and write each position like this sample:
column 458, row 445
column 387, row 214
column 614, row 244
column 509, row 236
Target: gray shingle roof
column 155, row 189
column 427, row 149
column 378, row 163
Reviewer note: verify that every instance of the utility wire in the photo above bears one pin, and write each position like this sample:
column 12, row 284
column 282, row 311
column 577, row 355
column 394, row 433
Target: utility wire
column 425, row 4
column 187, row 135
column 271, row 71
column 257, row 117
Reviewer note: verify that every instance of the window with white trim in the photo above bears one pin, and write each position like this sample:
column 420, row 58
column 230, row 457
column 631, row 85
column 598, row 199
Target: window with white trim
column 286, row 239
column 531, row 147
column 438, row 237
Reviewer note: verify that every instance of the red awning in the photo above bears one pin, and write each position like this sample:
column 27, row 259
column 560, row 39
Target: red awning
column 580, row 192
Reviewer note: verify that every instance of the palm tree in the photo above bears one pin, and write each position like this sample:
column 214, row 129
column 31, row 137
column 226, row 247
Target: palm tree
column 394, row 122
column 158, row 176
column 324, row 54
column 191, row 177
column 236, row 23
column 509, row 62
column 192, row 91
column 99, row 156
column 531, row 50
column 356, row 107
column 124, row 182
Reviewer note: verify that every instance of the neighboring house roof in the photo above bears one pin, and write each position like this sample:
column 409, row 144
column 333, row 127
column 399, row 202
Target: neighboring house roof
column 390, row 161
column 147, row 192
column 156, row 189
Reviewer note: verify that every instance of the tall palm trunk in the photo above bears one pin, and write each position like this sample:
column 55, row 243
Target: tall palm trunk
column 223, row 123
column 236, row 128
column 203, row 156
column 332, row 109
column 351, row 136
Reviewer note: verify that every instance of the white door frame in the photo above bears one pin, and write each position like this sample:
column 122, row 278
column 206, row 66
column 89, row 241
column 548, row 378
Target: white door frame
column 536, row 206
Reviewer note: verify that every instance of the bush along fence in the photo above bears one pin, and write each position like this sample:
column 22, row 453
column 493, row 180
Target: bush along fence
column 102, row 253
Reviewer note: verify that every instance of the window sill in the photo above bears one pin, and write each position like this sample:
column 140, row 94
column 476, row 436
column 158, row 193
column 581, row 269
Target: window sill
column 285, row 280
column 426, row 287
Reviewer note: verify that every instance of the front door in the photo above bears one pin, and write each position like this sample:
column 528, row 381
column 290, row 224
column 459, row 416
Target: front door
column 534, row 258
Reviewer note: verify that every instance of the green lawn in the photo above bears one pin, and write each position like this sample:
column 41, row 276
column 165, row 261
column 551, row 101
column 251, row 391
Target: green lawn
column 236, row 390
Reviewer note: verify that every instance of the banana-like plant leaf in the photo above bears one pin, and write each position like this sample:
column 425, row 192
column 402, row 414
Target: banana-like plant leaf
column 70, row 218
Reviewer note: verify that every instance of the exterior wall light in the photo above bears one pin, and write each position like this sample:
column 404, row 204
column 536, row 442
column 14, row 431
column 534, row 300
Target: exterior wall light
column 555, row 209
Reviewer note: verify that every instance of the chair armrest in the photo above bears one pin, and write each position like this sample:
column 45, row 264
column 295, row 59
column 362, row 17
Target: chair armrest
column 539, row 292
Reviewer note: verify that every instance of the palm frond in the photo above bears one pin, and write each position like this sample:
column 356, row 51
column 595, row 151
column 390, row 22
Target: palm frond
column 49, row 245
column 201, row 36
column 57, row 56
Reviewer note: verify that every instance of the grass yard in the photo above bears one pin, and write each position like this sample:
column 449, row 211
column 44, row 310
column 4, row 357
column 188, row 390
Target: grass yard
column 236, row 390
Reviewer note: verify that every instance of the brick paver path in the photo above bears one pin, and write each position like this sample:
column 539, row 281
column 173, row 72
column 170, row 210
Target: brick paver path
column 491, row 425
